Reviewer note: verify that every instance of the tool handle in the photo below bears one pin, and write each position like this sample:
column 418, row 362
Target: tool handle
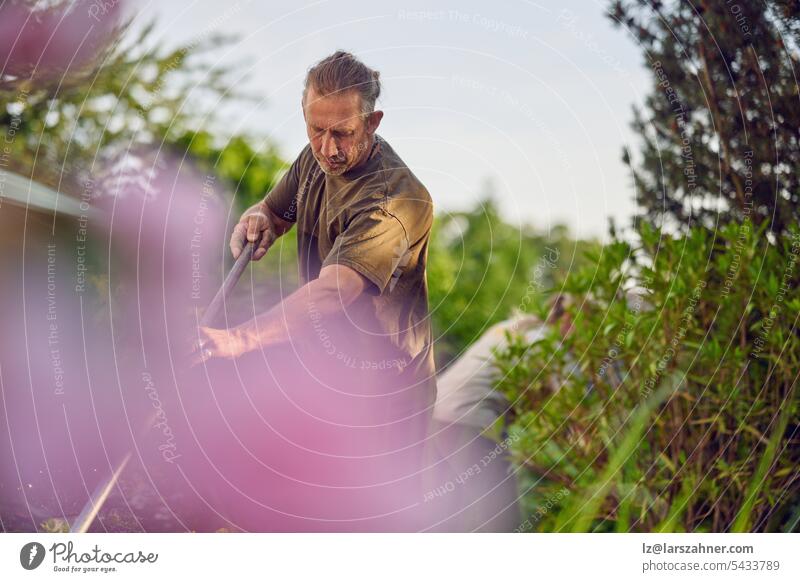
column 104, row 488
column 229, row 283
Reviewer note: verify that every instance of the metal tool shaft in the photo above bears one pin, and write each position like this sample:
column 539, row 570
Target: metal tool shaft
column 103, row 490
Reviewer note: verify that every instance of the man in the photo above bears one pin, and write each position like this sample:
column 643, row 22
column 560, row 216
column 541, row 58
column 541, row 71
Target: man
column 360, row 319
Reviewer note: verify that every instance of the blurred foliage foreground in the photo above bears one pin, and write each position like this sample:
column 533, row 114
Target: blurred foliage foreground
column 671, row 403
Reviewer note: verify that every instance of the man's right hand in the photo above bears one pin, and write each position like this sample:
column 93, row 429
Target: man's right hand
column 256, row 224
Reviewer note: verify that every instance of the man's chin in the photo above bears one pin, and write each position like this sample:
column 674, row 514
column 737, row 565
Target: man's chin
column 337, row 170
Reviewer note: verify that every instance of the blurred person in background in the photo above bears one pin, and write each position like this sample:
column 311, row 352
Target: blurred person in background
column 470, row 417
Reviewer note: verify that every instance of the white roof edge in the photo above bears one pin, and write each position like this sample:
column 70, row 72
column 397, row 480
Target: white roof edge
column 22, row 191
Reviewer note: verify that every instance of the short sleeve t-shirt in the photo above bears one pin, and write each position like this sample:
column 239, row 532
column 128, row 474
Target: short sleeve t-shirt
column 375, row 219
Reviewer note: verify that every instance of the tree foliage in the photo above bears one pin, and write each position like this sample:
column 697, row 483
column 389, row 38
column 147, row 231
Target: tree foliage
column 131, row 92
column 719, row 129
column 666, row 398
column 481, row 269
column 250, row 170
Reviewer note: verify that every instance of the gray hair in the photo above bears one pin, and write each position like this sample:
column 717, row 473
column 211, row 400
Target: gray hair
column 341, row 72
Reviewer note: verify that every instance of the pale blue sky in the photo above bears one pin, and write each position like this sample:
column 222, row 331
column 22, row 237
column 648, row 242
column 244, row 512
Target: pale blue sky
column 535, row 95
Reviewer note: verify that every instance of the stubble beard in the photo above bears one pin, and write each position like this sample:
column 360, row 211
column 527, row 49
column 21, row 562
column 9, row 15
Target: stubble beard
column 333, row 171
column 344, row 167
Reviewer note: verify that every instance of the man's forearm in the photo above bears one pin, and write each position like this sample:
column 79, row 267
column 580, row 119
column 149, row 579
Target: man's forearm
column 281, row 323
column 336, row 287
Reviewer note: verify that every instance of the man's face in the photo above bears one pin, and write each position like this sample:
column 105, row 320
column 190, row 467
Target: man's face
column 338, row 132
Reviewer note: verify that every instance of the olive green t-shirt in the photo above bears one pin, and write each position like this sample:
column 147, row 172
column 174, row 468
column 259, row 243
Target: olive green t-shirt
column 376, row 219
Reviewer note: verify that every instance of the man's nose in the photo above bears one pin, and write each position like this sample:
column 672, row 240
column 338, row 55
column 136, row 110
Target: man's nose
column 329, row 147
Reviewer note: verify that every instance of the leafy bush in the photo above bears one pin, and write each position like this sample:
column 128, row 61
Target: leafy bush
column 481, row 268
column 671, row 403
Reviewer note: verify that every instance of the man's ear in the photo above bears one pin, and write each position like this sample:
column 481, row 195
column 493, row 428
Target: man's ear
column 374, row 120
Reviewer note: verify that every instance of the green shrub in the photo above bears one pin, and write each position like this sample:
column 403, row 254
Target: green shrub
column 673, row 408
